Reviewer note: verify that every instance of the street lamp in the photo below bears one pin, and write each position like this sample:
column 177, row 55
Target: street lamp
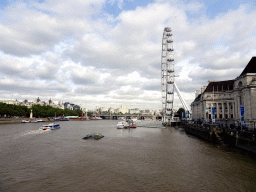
column 85, row 110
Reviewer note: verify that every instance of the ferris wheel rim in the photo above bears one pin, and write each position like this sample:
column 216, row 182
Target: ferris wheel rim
column 167, row 73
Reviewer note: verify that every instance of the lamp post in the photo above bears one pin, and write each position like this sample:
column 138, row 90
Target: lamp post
column 85, row 110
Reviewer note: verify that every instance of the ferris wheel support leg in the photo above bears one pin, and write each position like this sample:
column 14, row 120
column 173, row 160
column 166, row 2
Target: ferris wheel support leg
column 181, row 98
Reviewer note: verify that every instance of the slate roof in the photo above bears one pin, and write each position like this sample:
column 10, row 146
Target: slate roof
column 198, row 98
column 250, row 68
column 219, row 86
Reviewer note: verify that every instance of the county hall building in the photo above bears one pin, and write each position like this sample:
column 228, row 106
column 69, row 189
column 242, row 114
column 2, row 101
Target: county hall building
column 231, row 100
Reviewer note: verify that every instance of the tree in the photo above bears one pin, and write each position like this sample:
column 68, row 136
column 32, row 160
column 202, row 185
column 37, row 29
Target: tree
column 38, row 111
column 79, row 112
column 89, row 113
column 180, row 111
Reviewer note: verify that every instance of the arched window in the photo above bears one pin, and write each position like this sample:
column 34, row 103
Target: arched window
column 240, row 84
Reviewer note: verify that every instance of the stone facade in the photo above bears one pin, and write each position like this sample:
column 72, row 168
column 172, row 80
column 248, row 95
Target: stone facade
column 225, row 100
column 123, row 109
column 35, row 102
column 134, row 111
column 13, row 102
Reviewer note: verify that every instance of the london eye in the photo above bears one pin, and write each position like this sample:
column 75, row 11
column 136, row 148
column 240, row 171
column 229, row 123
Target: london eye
column 167, row 74
column 167, row 78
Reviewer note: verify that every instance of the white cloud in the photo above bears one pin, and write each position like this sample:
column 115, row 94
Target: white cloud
column 75, row 50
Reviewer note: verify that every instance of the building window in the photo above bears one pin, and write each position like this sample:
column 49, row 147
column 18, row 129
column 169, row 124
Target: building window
column 241, row 100
column 240, row 84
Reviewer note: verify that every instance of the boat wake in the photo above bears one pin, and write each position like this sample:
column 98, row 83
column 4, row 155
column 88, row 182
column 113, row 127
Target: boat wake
column 26, row 133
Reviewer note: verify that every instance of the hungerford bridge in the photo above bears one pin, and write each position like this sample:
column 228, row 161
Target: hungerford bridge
column 138, row 117
column 167, row 82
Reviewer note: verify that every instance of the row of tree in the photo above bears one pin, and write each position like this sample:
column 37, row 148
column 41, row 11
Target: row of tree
column 10, row 110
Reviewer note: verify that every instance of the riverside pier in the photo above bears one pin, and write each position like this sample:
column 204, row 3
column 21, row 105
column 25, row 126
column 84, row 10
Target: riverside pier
column 225, row 111
column 235, row 135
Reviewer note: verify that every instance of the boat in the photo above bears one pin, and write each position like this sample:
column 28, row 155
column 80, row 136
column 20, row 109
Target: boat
column 51, row 126
column 40, row 120
column 94, row 136
column 96, row 118
column 122, row 125
column 132, row 124
column 56, row 118
column 64, row 119
column 25, row 121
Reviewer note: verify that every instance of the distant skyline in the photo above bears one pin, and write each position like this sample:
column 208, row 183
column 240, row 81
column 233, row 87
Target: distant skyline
column 107, row 53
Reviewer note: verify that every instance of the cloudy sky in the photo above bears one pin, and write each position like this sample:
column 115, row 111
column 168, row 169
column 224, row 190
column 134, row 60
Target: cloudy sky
column 108, row 52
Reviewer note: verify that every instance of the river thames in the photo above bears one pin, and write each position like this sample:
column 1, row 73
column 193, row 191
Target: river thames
column 141, row 159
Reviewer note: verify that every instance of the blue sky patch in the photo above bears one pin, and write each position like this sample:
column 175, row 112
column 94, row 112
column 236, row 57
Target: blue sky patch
column 114, row 10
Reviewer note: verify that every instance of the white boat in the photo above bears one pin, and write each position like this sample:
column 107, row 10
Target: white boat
column 64, row 119
column 96, row 118
column 40, row 120
column 122, row 125
column 51, row 126
column 25, row 121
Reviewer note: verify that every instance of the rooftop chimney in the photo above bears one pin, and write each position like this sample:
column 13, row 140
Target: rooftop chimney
column 197, row 92
column 203, row 89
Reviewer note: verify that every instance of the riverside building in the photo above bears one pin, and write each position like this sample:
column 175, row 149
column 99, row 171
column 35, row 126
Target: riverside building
column 37, row 101
column 231, row 100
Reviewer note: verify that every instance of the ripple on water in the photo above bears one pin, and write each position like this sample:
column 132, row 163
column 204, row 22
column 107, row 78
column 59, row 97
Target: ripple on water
column 30, row 132
column 141, row 159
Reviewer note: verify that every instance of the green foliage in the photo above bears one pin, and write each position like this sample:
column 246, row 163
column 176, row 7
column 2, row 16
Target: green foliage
column 89, row 113
column 79, row 112
column 180, row 111
column 38, row 111
column 13, row 110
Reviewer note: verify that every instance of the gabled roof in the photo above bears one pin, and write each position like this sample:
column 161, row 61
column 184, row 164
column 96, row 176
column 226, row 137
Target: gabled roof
column 197, row 98
column 220, row 86
column 250, row 68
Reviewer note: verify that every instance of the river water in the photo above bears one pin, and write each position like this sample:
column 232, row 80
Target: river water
column 141, row 159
